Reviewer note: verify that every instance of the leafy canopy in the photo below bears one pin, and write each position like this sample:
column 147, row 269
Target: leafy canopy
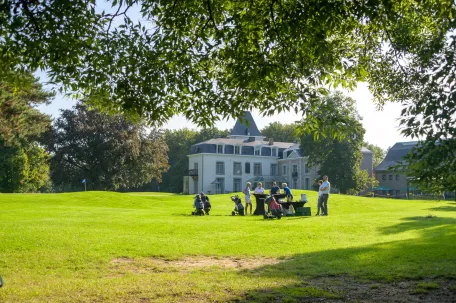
column 281, row 132
column 337, row 157
column 207, row 58
column 110, row 152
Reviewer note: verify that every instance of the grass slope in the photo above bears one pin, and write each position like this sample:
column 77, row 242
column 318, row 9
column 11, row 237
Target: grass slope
column 101, row 246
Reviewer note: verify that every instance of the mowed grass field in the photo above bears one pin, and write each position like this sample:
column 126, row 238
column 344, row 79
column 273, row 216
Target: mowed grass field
column 146, row 247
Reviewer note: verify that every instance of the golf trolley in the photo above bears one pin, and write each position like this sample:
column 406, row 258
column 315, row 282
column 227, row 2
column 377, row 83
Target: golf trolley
column 238, row 207
column 275, row 210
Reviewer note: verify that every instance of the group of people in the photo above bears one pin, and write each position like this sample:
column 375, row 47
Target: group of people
column 202, row 201
column 275, row 190
column 323, row 196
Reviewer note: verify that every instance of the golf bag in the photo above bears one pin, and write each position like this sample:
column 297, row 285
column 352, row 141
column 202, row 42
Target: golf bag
column 238, row 207
column 199, row 206
column 207, row 204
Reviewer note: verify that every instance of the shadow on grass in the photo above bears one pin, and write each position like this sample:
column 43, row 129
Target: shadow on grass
column 351, row 274
column 419, row 223
column 444, row 208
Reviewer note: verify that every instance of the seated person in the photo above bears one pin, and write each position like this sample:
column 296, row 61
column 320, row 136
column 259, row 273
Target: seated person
column 259, row 189
column 198, row 203
column 274, row 189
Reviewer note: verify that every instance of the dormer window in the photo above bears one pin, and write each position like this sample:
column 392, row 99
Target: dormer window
column 237, row 150
column 219, row 149
column 274, row 152
column 257, row 151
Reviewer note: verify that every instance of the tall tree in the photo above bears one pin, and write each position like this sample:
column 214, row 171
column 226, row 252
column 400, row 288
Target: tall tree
column 281, row 132
column 378, row 153
column 339, row 157
column 109, row 152
column 24, row 165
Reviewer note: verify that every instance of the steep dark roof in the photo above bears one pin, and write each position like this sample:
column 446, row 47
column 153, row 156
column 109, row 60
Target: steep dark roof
column 396, row 154
column 248, row 126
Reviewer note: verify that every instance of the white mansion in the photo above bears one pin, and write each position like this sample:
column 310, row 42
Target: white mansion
column 223, row 165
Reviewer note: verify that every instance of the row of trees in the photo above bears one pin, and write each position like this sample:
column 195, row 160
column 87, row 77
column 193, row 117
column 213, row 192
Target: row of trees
column 109, row 152
column 114, row 153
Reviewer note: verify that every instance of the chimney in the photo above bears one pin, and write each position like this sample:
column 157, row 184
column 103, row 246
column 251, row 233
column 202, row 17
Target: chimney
column 271, row 141
column 251, row 139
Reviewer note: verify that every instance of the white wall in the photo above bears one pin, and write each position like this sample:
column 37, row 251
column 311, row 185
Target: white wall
column 207, row 169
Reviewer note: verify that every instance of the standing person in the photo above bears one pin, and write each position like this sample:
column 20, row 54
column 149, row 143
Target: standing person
column 325, row 188
column 287, row 192
column 274, row 189
column 259, row 189
column 248, row 201
column 320, row 182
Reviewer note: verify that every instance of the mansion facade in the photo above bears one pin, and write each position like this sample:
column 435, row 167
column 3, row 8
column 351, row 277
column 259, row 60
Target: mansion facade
column 394, row 183
column 224, row 165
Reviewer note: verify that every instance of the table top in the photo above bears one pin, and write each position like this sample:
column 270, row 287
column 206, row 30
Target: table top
column 267, row 195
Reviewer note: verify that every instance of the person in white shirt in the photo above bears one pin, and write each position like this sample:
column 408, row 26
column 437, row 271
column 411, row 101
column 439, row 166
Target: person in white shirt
column 325, row 188
column 259, row 189
column 248, row 201
column 320, row 182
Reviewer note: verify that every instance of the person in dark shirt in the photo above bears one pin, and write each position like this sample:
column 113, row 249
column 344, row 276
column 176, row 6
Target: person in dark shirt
column 287, row 191
column 274, row 189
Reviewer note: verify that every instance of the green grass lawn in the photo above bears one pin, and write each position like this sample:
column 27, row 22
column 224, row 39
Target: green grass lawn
column 146, row 247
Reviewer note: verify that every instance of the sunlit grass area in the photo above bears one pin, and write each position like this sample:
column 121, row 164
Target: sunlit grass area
column 146, row 247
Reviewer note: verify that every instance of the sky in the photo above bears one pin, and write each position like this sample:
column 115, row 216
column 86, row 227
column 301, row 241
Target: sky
column 382, row 127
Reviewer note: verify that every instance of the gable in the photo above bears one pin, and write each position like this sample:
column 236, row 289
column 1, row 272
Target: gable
column 293, row 154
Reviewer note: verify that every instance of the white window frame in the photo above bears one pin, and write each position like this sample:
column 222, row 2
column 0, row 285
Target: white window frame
column 240, row 168
column 217, row 171
column 275, row 152
column 261, row 169
column 276, row 168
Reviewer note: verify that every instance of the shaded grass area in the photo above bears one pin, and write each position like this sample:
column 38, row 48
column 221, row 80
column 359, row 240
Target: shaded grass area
column 59, row 246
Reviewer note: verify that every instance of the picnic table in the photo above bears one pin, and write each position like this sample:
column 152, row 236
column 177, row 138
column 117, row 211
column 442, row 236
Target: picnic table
column 280, row 198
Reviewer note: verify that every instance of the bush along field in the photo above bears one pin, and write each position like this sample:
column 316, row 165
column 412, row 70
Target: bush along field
column 146, row 247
